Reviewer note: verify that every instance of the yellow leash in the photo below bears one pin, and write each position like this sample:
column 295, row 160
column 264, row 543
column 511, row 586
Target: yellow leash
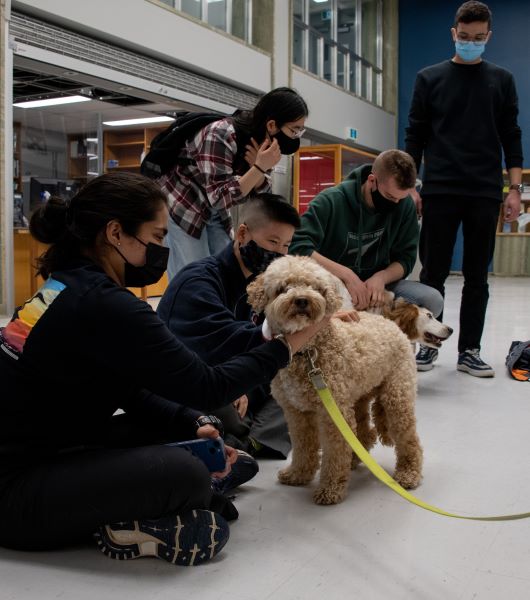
column 315, row 375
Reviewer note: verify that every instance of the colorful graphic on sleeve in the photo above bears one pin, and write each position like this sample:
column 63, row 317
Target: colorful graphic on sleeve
column 16, row 332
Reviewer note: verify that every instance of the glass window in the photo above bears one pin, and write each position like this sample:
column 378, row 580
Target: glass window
column 217, row 13
column 313, row 53
column 298, row 9
column 355, row 66
column 320, row 17
column 240, row 19
column 341, row 68
column 298, row 46
column 191, row 7
column 346, row 23
column 262, row 14
column 369, row 31
column 330, row 40
column 329, row 53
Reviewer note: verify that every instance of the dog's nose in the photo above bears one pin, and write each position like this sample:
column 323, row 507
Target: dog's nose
column 450, row 330
column 301, row 302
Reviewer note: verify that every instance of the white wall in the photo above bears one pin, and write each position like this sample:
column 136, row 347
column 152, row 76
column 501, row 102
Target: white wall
column 153, row 29
column 332, row 111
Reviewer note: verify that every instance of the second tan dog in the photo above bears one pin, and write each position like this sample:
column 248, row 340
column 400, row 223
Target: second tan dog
column 416, row 322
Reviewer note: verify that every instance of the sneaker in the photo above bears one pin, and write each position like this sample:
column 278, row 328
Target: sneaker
column 243, row 470
column 470, row 362
column 188, row 539
column 425, row 358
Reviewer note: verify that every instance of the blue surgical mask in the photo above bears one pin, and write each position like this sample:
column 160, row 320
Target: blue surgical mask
column 469, row 51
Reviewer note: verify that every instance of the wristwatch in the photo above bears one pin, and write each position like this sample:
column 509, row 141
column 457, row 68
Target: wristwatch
column 517, row 186
column 211, row 420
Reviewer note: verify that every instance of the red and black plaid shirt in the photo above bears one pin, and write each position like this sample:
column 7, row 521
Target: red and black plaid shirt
column 203, row 178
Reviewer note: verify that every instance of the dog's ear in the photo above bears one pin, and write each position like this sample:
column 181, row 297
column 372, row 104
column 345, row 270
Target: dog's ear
column 405, row 315
column 256, row 294
column 334, row 299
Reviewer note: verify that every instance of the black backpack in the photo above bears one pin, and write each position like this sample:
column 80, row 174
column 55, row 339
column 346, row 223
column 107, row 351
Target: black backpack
column 166, row 146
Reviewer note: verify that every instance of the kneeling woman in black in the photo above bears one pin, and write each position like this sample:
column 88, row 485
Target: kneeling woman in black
column 83, row 347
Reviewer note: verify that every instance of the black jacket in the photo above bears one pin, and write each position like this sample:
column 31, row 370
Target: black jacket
column 84, row 347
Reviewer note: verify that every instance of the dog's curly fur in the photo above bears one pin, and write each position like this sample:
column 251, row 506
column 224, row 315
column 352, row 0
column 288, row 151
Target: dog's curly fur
column 366, row 365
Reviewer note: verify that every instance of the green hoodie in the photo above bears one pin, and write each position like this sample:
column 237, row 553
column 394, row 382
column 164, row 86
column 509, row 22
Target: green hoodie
column 340, row 226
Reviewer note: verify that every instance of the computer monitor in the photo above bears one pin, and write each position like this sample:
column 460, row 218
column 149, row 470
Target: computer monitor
column 41, row 188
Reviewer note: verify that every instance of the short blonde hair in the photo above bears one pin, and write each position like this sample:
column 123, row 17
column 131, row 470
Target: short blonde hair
column 396, row 164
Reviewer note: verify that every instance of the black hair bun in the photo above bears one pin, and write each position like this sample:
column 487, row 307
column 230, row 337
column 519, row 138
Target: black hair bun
column 48, row 222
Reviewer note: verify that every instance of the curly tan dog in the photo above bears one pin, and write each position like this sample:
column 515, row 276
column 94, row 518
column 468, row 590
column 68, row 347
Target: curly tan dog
column 364, row 363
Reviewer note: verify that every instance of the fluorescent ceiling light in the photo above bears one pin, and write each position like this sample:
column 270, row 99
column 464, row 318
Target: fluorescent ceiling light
column 138, row 121
column 52, row 101
column 319, row 1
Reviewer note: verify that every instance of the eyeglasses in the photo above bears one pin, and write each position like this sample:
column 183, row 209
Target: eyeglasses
column 478, row 39
column 295, row 133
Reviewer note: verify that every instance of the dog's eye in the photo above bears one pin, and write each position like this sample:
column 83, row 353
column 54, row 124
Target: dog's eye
column 430, row 315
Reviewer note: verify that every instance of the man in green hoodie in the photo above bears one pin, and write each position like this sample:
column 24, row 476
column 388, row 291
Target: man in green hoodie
column 365, row 231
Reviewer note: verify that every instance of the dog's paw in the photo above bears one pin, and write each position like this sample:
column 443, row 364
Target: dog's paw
column 408, row 479
column 355, row 462
column 329, row 495
column 289, row 476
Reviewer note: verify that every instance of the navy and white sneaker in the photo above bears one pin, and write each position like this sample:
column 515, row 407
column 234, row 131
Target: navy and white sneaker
column 187, row 539
column 425, row 358
column 470, row 362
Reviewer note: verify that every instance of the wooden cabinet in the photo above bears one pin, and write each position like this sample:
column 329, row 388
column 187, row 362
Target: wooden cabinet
column 26, row 252
column 124, row 148
column 512, row 246
column 319, row 167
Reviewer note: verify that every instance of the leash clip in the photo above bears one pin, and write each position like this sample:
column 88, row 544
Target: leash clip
column 314, row 373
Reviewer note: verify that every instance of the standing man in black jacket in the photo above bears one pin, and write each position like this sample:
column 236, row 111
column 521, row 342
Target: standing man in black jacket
column 462, row 117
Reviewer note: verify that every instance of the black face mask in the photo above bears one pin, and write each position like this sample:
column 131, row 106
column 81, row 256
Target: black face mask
column 156, row 258
column 287, row 144
column 255, row 258
column 382, row 205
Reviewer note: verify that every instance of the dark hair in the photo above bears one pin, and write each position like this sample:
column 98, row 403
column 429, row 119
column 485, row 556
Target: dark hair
column 73, row 227
column 260, row 209
column 473, row 11
column 282, row 104
column 396, row 164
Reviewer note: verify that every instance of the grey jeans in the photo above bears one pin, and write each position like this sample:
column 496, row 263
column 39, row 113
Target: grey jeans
column 418, row 293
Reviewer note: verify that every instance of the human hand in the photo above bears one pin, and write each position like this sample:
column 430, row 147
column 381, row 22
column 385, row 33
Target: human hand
column 376, row 288
column 231, row 457
column 512, row 206
column 207, row 431
column 358, row 291
column 418, row 202
column 251, row 151
column 241, row 405
column 299, row 339
column 348, row 316
column 268, row 155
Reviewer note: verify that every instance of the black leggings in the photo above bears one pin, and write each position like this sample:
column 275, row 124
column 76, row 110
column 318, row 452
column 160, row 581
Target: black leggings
column 62, row 500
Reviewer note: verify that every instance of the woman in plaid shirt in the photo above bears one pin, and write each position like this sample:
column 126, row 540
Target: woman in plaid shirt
column 219, row 168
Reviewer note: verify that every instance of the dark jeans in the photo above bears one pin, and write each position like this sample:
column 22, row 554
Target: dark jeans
column 442, row 215
column 60, row 500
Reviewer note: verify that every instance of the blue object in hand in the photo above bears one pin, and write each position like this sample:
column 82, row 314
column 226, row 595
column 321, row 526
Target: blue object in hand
column 210, row 451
